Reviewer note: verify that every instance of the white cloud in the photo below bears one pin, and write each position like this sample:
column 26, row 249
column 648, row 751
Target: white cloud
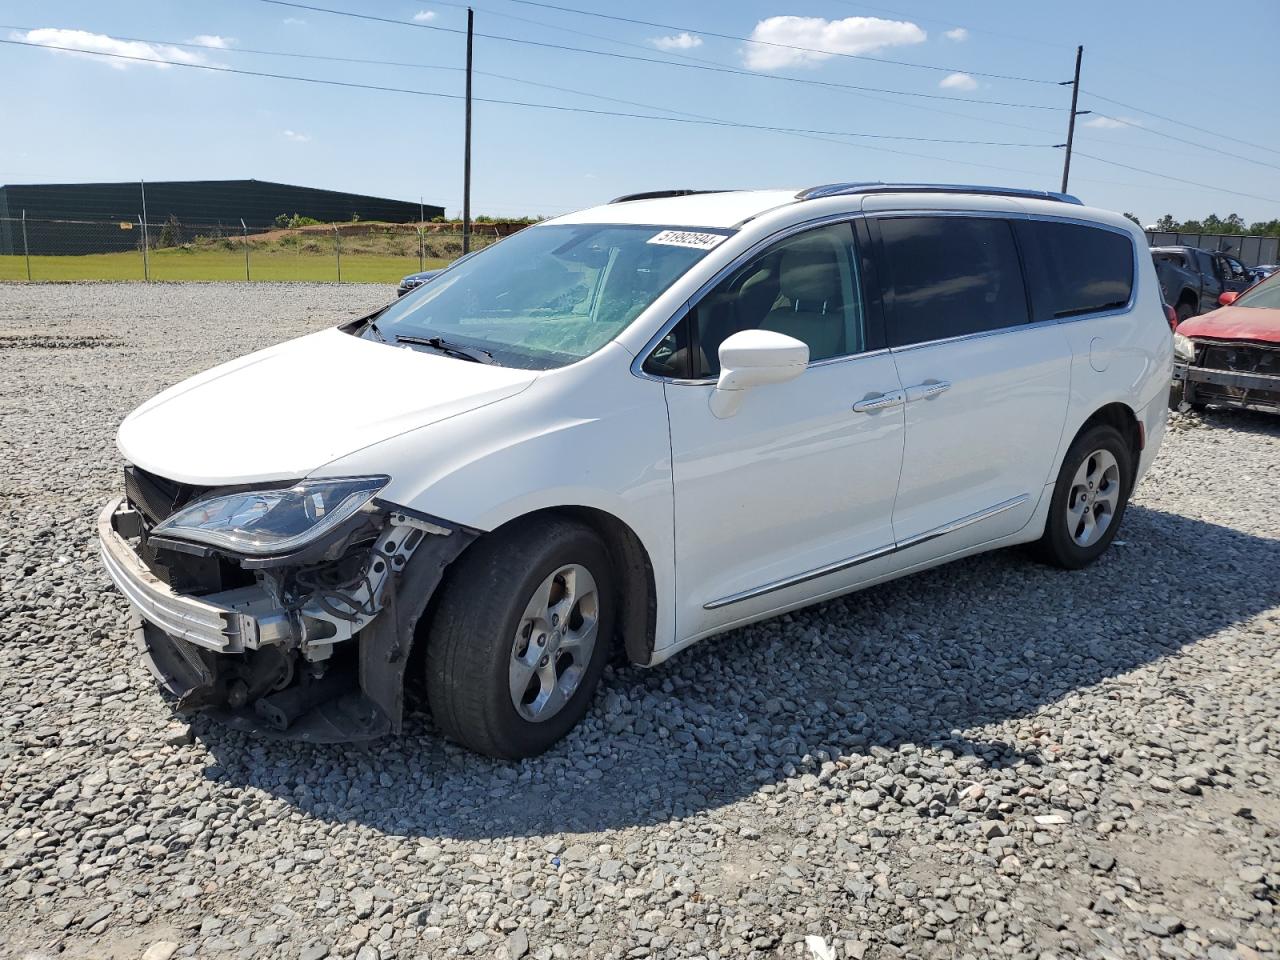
column 679, row 41
column 295, row 136
column 294, row 22
column 423, row 16
column 959, row 34
column 958, row 81
column 212, row 40
column 83, row 43
column 823, row 38
column 1107, row 123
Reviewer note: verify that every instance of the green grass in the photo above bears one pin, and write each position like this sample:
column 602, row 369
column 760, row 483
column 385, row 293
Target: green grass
column 215, row 264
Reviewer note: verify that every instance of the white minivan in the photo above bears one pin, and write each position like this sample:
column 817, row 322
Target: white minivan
column 630, row 428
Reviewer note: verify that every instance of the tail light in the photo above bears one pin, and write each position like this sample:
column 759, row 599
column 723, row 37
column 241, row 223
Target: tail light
column 1172, row 316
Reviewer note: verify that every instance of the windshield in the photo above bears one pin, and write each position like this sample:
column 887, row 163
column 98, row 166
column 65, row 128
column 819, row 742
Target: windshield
column 1266, row 294
column 548, row 295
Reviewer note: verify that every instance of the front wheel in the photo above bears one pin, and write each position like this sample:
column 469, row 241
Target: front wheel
column 520, row 636
column 1089, row 499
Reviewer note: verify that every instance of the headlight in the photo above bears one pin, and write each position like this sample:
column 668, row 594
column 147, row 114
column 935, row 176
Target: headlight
column 261, row 522
column 1184, row 348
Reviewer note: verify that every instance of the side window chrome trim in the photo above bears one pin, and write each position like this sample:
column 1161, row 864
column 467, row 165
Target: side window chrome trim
column 637, row 364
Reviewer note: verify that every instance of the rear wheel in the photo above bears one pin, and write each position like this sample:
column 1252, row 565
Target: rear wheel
column 520, row 637
column 1185, row 311
column 1089, row 499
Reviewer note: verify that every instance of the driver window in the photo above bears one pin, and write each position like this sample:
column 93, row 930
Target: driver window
column 805, row 286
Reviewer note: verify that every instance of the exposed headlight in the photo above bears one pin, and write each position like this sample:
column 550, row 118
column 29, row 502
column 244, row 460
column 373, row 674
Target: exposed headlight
column 1184, row 348
column 262, row 522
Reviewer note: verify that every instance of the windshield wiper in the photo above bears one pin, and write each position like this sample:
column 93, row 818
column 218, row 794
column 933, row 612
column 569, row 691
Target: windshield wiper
column 447, row 347
column 372, row 324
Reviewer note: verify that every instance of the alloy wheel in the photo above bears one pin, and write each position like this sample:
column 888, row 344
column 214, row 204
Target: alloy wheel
column 1094, row 498
column 553, row 643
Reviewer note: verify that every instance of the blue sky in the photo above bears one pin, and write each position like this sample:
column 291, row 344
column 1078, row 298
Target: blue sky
column 75, row 118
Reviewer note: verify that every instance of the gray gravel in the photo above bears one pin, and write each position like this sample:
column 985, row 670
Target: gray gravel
column 991, row 759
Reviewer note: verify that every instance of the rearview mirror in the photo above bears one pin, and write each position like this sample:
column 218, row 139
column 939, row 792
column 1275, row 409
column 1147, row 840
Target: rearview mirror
column 1227, row 298
column 755, row 358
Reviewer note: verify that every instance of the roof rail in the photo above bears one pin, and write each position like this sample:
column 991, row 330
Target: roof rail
column 850, row 189
column 661, row 194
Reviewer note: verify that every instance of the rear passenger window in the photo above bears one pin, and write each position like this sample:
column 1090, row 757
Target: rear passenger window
column 1078, row 269
column 949, row 276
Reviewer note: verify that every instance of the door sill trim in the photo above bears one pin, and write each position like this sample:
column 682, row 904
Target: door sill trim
column 870, row 555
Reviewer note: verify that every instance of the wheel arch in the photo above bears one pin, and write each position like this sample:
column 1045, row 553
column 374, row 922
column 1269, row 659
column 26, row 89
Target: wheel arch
column 637, row 595
column 1121, row 416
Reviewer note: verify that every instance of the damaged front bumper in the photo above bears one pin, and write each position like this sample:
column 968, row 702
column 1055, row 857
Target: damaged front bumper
column 1228, row 388
column 321, row 662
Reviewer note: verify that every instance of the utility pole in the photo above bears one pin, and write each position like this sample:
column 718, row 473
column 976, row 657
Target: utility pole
column 466, row 156
column 1071, row 122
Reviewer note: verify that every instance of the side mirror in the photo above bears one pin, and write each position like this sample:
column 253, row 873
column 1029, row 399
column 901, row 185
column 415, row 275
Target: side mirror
column 755, row 358
column 1227, row 298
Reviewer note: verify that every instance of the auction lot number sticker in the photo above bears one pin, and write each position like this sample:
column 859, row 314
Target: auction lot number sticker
column 688, row 238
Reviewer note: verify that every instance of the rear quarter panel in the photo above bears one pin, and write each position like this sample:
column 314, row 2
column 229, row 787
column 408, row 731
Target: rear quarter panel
column 1121, row 357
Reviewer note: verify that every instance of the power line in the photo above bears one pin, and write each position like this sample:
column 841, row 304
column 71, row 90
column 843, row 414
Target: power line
column 1183, row 123
column 768, row 43
column 1194, row 143
column 427, row 66
column 1165, row 176
column 517, row 103
column 670, row 63
column 952, row 23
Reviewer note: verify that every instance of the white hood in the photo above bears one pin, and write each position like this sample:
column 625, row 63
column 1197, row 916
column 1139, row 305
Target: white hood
column 285, row 411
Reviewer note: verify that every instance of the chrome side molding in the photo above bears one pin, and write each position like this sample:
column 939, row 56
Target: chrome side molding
column 870, row 555
column 963, row 522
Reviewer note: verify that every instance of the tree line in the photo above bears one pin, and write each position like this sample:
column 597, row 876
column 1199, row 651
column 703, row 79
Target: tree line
column 1232, row 223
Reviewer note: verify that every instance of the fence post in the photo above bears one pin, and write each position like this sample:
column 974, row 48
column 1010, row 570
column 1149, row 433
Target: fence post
column 337, row 249
column 244, row 233
column 422, row 249
column 146, row 267
column 26, row 253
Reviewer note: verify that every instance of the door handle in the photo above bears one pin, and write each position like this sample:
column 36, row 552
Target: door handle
column 927, row 391
column 883, row 401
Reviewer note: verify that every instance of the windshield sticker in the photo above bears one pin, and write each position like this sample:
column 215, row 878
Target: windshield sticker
column 687, row 238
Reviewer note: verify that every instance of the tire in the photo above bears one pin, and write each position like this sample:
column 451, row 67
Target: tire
column 1069, row 542
column 1185, row 311
column 473, row 644
column 1176, row 392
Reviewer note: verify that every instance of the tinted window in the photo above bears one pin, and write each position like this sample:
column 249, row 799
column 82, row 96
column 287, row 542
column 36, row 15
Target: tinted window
column 950, row 276
column 1078, row 269
column 805, row 286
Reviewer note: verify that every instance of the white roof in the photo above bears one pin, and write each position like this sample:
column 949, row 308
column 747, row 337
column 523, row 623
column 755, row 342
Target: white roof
column 731, row 208
column 696, row 210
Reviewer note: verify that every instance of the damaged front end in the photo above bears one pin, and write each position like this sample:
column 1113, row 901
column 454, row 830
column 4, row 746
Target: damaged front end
column 289, row 610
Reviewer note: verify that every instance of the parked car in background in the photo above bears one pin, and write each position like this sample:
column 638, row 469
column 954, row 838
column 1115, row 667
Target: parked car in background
column 1192, row 279
column 1262, row 271
column 413, row 281
column 635, row 426
column 1231, row 356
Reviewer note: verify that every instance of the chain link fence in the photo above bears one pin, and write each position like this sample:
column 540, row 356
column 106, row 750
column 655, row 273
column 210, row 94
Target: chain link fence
column 132, row 249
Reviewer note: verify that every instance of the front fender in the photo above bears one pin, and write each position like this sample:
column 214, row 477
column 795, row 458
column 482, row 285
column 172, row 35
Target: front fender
column 590, row 435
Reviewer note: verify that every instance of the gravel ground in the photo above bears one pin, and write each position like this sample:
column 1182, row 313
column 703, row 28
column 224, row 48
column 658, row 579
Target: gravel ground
column 990, row 759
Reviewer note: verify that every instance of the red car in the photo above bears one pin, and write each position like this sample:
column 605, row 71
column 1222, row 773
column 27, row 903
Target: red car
column 1231, row 356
